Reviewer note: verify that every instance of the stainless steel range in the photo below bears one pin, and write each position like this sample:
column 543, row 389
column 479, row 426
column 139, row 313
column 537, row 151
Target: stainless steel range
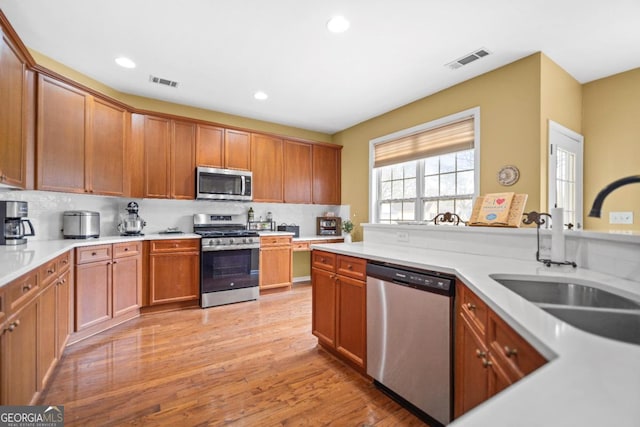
column 229, row 260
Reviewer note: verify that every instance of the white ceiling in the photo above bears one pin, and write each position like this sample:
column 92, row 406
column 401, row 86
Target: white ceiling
column 222, row 51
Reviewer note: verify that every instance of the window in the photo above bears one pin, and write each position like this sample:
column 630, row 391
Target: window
column 429, row 169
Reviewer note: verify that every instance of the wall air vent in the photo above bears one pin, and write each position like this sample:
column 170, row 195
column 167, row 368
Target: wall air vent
column 467, row 59
column 161, row 81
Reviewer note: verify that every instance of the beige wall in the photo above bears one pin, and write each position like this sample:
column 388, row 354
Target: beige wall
column 510, row 132
column 611, row 127
column 155, row 105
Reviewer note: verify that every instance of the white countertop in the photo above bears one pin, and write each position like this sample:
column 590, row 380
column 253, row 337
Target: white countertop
column 589, row 380
column 18, row 260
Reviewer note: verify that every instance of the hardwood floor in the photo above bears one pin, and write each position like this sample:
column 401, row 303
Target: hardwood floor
column 248, row 364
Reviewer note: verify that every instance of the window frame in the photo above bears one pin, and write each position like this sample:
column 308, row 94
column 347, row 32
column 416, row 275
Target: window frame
column 374, row 191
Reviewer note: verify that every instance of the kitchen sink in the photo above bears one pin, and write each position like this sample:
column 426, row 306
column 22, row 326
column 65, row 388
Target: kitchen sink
column 615, row 324
column 566, row 293
column 588, row 308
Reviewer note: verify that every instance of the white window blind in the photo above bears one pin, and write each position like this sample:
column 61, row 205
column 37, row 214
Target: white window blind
column 457, row 136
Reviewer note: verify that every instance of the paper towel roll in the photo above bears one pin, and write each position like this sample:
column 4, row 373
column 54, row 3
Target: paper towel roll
column 557, row 235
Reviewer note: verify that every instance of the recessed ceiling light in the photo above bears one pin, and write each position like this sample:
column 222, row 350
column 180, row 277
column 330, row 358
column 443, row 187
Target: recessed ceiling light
column 338, row 24
column 260, row 95
column 125, row 62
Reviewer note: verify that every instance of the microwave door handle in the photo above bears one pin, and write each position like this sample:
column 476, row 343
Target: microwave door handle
column 32, row 231
column 243, row 187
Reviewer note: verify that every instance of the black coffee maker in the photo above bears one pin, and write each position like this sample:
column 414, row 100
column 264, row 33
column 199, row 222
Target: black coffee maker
column 13, row 217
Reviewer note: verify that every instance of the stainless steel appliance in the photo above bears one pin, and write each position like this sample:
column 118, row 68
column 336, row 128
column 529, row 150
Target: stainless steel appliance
column 229, row 260
column 131, row 224
column 409, row 338
column 223, row 184
column 81, row 224
column 13, row 215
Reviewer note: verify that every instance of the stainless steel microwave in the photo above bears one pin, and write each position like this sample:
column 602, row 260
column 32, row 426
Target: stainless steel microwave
column 223, row 184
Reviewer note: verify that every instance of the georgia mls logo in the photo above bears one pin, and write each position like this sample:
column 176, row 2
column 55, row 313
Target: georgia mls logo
column 31, row 416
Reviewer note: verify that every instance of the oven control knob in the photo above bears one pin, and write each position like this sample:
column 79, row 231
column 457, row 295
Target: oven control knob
column 246, row 240
column 231, row 241
column 218, row 242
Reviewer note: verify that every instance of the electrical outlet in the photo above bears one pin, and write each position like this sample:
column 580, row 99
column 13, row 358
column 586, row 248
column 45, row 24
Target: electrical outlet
column 620, row 217
column 402, row 236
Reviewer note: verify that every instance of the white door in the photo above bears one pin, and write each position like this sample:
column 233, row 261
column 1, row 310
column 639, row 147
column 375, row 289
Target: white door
column 565, row 172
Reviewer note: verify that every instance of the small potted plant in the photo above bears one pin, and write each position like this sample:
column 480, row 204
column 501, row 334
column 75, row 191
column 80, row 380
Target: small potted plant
column 347, row 228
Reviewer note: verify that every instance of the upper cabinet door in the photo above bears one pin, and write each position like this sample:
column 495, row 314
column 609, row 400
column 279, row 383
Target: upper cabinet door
column 183, row 146
column 106, row 150
column 210, row 146
column 237, row 150
column 157, row 157
column 13, row 106
column 61, row 137
column 298, row 176
column 267, row 161
column 326, row 175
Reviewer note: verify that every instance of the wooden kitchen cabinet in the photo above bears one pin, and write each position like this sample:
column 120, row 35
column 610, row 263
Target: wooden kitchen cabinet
column 298, row 172
column 326, row 175
column 174, row 271
column 81, row 141
column 267, row 160
column 105, row 159
column 210, row 146
column 489, row 354
column 169, row 159
column 237, row 150
column 107, row 286
column 339, row 317
column 276, row 270
column 17, row 89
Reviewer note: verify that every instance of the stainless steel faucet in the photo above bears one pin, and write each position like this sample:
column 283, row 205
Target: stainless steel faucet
column 597, row 203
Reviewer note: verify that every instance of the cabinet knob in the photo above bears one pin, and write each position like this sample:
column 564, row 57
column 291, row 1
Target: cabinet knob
column 93, row 254
column 13, row 325
column 480, row 353
column 126, row 249
column 65, row 262
column 510, row 351
column 471, row 306
column 26, row 288
column 350, row 267
column 486, row 362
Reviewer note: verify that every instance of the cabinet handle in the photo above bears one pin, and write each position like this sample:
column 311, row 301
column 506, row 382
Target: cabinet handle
column 13, row 325
column 93, row 254
column 115, row 262
column 480, row 354
column 126, row 249
column 50, row 271
column 27, row 288
column 510, row 351
column 486, row 362
column 350, row 267
column 471, row 306
column 65, row 262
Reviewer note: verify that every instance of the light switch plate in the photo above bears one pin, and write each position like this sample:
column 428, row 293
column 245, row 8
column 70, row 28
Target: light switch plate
column 620, row 217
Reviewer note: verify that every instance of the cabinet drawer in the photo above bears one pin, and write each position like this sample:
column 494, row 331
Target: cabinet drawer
column 21, row 291
column 474, row 309
column 180, row 245
column 517, row 355
column 48, row 272
column 352, row 267
column 300, row 246
column 323, row 260
column 63, row 262
column 275, row 241
column 126, row 249
column 93, row 254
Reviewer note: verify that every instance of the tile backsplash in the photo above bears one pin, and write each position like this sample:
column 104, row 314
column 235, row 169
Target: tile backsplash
column 46, row 210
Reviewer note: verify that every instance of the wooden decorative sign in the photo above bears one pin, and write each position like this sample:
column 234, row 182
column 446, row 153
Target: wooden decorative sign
column 498, row 210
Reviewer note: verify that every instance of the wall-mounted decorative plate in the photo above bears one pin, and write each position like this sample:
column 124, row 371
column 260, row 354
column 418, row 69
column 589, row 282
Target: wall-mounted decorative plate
column 508, row 175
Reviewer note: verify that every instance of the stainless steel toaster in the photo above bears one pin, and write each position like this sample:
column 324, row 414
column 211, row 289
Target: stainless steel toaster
column 81, row 225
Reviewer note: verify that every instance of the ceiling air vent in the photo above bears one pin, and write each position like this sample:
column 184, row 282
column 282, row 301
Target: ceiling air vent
column 480, row 53
column 161, row 81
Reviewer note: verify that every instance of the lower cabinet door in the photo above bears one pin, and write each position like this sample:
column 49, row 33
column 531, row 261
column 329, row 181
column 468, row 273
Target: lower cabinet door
column 324, row 306
column 471, row 374
column 93, row 294
column 47, row 348
column 19, row 362
column 275, row 267
column 174, row 277
column 127, row 278
column 63, row 311
column 351, row 328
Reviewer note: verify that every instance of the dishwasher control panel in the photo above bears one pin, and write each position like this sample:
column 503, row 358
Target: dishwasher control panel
column 423, row 280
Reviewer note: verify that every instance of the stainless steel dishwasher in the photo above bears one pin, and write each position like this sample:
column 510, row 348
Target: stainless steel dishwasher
column 409, row 337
